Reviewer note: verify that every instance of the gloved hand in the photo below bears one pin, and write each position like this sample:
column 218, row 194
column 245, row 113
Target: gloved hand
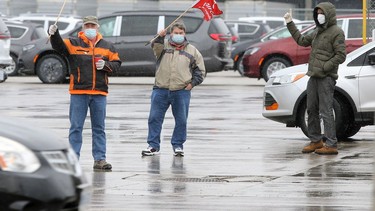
column 288, row 17
column 100, row 64
column 52, row 29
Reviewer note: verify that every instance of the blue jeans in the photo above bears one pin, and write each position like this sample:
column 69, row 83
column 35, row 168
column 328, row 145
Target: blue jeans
column 161, row 99
column 79, row 105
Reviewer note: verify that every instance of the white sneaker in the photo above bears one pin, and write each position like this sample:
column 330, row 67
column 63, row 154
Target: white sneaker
column 150, row 151
column 179, row 152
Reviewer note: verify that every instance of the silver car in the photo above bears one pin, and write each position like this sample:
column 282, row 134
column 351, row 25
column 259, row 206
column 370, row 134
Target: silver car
column 354, row 104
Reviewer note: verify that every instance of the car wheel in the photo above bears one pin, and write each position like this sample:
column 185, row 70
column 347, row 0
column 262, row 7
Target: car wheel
column 239, row 65
column 341, row 120
column 51, row 69
column 352, row 130
column 12, row 70
column 272, row 65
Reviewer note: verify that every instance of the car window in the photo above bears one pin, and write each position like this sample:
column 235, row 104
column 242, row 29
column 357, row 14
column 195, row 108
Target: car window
column 139, row 25
column 192, row 24
column 107, row 26
column 275, row 24
column 247, row 28
column 60, row 25
column 282, row 33
column 16, row 32
column 355, row 29
column 38, row 33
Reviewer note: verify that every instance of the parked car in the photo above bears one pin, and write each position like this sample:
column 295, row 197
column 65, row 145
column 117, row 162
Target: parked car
column 246, row 30
column 130, row 31
column 284, row 97
column 66, row 23
column 3, row 76
column 262, row 59
column 239, row 49
column 38, row 171
column 234, row 33
column 21, row 33
column 272, row 22
column 5, row 59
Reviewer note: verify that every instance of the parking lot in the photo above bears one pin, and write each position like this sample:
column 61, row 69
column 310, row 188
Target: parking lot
column 235, row 159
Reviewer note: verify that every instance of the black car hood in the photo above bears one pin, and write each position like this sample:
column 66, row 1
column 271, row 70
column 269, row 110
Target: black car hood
column 37, row 139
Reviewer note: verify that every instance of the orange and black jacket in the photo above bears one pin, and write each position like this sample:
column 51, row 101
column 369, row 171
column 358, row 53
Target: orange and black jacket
column 84, row 77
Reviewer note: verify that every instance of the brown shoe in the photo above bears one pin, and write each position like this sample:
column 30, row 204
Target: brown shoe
column 312, row 147
column 102, row 165
column 327, row 151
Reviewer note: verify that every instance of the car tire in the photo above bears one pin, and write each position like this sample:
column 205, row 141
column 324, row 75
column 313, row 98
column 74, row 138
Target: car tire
column 272, row 65
column 239, row 65
column 51, row 69
column 341, row 118
column 12, row 70
column 352, row 130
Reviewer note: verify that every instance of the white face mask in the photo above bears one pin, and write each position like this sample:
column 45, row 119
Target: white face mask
column 321, row 18
column 90, row 33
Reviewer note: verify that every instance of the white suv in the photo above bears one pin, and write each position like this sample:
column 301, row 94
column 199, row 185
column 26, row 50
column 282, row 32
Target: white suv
column 5, row 59
column 65, row 23
column 354, row 101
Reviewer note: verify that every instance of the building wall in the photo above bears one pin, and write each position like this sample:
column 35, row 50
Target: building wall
column 233, row 9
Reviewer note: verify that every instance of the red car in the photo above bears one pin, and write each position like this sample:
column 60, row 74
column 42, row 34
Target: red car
column 262, row 59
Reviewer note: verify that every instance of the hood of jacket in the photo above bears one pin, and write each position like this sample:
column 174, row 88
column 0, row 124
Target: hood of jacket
column 330, row 13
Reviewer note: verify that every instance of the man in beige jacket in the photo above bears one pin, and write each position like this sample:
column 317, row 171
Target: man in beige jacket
column 180, row 67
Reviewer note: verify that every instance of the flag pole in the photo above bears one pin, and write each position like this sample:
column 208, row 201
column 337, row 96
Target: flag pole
column 58, row 17
column 157, row 35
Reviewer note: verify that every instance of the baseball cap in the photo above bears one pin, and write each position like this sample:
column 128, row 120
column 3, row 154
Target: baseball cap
column 90, row 19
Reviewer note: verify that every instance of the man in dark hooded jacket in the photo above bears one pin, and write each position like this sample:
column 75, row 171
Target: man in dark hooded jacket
column 327, row 52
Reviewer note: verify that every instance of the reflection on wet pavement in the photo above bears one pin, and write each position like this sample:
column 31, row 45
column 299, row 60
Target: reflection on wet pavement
column 234, row 158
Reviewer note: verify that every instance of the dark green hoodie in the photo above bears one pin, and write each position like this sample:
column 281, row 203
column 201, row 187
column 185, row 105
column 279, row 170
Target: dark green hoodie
column 327, row 43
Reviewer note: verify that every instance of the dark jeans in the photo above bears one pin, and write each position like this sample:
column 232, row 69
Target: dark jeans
column 161, row 99
column 320, row 104
column 79, row 105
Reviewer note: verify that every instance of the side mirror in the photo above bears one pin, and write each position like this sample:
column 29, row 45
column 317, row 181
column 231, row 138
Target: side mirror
column 371, row 58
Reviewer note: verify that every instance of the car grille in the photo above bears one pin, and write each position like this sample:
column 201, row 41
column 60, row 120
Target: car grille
column 63, row 161
column 268, row 100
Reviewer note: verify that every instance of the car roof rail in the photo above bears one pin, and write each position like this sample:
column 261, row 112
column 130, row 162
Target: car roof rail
column 48, row 15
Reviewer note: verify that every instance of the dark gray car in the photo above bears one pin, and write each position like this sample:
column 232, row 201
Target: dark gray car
column 21, row 33
column 38, row 170
column 130, row 31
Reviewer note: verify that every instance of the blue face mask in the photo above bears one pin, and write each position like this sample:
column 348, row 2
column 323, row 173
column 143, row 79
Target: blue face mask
column 90, row 33
column 178, row 38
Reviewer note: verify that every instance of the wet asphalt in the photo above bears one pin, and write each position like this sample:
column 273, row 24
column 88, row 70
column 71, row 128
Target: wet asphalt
column 234, row 158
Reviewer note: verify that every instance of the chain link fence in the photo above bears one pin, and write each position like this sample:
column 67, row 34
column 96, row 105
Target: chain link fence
column 369, row 9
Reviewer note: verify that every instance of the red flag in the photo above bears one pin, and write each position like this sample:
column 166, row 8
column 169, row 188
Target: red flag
column 208, row 7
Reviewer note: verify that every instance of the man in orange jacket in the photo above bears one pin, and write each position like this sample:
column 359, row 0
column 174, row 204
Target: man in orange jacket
column 90, row 58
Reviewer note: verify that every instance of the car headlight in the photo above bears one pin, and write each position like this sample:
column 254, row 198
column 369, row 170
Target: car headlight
column 28, row 47
column 16, row 157
column 251, row 51
column 285, row 79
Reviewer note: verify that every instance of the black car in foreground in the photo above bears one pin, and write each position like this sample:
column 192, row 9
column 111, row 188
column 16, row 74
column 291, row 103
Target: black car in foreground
column 129, row 31
column 38, row 171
